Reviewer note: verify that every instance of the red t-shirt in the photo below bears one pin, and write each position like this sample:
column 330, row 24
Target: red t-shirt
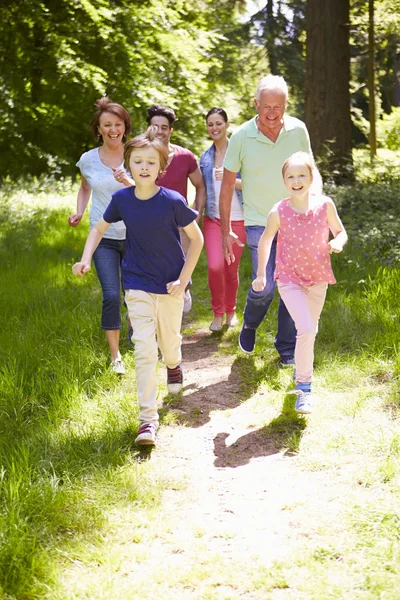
column 178, row 171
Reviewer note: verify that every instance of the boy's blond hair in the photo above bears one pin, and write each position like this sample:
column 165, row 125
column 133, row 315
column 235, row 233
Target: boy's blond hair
column 148, row 139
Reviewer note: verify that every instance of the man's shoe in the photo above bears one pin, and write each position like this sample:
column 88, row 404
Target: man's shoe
column 146, row 435
column 287, row 361
column 174, row 380
column 247, row 340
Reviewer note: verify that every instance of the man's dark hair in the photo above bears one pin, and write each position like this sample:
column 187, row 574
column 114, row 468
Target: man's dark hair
column 161, row 111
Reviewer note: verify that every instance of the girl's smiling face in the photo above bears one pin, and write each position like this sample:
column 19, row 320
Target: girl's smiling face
column 297, row 179
column 144, row 165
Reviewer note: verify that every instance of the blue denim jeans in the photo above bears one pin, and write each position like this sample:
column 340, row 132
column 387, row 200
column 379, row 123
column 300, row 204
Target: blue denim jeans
column 107, row 259
column 258, row 303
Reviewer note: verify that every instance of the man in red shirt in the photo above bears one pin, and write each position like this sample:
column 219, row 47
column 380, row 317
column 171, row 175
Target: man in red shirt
column 181, row 166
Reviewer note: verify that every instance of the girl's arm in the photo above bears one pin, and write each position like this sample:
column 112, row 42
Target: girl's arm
column 264, row 249
column 337, row 229
column 82, row 201
column 177, row 288
column 238, row 184
column 93, row 240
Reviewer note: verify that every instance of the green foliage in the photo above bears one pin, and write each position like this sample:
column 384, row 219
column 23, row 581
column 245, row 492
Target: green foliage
column 389, row 130
column 58, row 57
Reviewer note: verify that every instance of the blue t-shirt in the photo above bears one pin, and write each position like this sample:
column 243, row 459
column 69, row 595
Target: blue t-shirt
column 154, row 254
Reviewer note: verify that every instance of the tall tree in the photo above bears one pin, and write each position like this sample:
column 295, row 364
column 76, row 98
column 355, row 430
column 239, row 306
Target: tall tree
column 327, row 82
column 371, row 79
column 279, row 26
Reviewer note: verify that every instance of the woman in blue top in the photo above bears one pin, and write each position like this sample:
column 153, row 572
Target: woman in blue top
column 102, row 174
column 223, row 279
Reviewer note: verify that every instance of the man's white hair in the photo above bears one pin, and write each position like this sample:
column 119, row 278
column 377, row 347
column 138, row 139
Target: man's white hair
column 272, row 83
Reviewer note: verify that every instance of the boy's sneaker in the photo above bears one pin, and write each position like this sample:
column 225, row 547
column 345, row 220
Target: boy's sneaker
column 187, row 302
column 146, row 435
column 174, row 379
column 247, row 340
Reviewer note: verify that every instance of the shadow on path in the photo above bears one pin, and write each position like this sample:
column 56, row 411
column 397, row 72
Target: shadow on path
column 285, row 431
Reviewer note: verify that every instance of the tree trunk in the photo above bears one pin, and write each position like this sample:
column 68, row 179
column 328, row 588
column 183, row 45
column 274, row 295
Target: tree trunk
column 327, row 84
column 371, row 80
column 270, row 38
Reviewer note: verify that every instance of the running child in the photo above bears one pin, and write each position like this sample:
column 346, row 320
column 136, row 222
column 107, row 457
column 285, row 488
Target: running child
column 303, row 266
column 154, row 271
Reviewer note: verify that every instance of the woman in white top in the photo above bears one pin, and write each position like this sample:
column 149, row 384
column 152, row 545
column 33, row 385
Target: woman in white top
column 102, row 174
column 223, row 279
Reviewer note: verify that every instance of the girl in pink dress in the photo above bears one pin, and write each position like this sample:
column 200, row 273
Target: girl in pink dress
column 303, row 267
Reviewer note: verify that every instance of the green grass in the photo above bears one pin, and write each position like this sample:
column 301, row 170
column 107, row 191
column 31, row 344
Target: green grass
column 67, row 423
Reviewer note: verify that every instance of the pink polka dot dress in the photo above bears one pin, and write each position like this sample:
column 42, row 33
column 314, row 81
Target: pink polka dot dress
column 302, row 255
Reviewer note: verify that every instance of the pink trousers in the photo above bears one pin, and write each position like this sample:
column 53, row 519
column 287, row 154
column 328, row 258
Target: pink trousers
column 223, row 279
column 304, row 305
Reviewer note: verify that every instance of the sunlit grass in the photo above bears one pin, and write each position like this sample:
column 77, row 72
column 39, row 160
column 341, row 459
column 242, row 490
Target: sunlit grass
column 77, row 507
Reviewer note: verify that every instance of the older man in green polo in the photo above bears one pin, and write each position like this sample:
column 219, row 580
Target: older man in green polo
column 258, row 150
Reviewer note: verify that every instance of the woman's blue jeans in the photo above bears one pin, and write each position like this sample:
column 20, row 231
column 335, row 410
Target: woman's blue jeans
column 258, row 303
column 107, row 259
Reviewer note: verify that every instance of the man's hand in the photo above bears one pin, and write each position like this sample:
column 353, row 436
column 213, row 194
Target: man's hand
column 80, row 269
column 176, row 288
column 227, row 244
column 259, row 283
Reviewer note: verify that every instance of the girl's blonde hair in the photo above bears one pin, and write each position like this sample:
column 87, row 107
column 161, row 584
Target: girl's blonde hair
column 307, row 160
column 148, row 139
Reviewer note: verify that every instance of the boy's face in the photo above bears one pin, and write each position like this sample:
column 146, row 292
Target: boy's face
column 164, row 129
column 297, row 179
column 144, row 165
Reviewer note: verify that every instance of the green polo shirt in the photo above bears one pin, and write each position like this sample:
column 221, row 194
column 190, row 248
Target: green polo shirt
column 260, row 161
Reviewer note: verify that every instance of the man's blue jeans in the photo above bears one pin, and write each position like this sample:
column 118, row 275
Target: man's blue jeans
column 107, row 259
column 258, row 303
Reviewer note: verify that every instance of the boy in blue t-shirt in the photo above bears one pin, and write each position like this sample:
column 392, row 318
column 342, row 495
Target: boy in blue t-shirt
column 154, row 271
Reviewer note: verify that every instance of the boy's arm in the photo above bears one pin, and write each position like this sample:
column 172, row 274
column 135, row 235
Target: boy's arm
column 93, row 240
column 337, row 229
column 177, row 288
column 264, row 249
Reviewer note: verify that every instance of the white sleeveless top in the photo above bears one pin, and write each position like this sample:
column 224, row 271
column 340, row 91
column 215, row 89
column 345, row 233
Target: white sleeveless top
column 237, row 208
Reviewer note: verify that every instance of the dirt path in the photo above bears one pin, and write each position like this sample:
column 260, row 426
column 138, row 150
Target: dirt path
column 235, row 509
column 243, row 504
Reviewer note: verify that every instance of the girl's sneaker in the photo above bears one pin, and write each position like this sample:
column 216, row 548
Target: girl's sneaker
column 174, row 379
column 146, row 435
column 304, row 399
column 303, row 402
